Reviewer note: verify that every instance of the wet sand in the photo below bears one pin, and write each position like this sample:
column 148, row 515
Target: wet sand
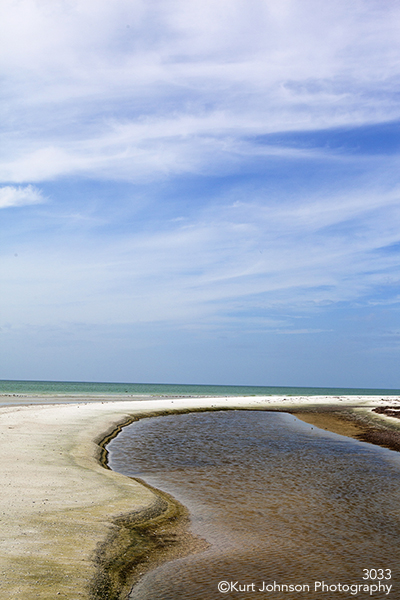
column 69, row 526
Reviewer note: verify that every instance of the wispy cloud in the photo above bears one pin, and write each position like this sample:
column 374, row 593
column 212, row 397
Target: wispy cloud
column 225, row 261
column 19, row 196
column 134, row 89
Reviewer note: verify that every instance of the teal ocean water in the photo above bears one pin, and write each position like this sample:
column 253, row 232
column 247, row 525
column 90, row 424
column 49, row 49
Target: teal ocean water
column 62, row 388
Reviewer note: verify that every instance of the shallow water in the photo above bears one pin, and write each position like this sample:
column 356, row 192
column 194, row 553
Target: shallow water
column 277, row 499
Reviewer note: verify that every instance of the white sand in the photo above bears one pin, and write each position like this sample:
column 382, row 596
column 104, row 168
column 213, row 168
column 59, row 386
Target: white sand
column 57, row 502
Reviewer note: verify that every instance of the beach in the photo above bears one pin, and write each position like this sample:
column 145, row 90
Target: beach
column 70, row 526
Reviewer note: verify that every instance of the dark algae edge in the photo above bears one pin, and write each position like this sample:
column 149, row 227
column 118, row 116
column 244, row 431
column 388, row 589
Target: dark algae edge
column 141, row 540
column 360, row 424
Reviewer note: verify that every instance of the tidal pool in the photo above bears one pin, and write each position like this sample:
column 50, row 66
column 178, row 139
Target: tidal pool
column 286, row 508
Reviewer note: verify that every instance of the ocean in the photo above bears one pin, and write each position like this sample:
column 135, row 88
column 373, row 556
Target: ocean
column 79, row 388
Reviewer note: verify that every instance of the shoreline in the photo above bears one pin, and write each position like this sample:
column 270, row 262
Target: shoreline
column 66, row 520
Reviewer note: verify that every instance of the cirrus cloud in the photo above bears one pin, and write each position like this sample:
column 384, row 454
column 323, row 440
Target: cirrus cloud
column 19, row 196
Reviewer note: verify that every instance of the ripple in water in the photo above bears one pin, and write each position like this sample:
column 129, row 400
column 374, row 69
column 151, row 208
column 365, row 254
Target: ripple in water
column 277, row 499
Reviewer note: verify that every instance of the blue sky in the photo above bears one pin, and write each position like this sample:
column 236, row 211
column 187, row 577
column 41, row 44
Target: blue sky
column 201, row 192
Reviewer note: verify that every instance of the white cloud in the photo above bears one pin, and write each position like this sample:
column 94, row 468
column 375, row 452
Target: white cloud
column 135, row 90
column 115, row 89
column 19, row 196
column 143, row 152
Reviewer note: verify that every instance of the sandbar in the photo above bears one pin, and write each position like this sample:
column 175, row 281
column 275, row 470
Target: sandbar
column 71, row 527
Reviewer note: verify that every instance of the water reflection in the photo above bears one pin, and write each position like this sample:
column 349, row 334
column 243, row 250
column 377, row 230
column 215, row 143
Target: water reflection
column 277, row 499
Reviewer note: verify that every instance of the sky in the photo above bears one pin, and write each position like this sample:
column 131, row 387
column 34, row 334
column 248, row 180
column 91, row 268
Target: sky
column 200, row 192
